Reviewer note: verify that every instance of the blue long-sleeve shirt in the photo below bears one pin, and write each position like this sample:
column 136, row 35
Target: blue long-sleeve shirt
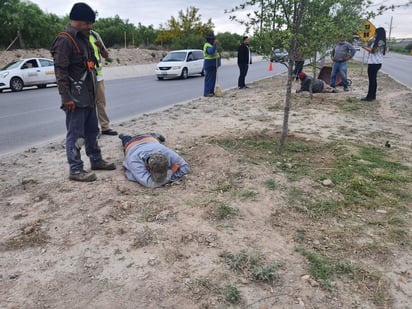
column 135, row 164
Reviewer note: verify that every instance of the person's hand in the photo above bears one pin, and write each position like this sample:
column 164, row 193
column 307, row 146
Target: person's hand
column 175, row 167
column 70, row 106
column 98, row 44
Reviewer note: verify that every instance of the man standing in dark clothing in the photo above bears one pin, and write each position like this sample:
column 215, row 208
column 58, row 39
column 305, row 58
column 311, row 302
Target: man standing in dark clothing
column 244, row 58
column 74, row 66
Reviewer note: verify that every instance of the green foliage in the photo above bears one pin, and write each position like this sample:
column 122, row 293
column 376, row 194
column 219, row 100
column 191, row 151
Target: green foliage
column 266, row 273
column 271, row 184
column 224, row 211
column 36, row 28
column 233, row 295
column 188, row 42
column 229, row 41
column 366, row 179
column 251, row 265
column 185, row 30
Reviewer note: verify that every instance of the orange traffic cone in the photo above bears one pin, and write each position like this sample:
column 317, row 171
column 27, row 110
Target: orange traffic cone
column 270, row 66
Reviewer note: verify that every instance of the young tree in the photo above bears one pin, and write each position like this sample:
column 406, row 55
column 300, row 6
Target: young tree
column 291, row 24
column 187, row 24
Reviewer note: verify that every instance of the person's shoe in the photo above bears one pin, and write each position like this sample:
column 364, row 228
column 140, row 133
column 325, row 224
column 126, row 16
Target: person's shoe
column 366, row 99
column 346, row 89
column 109, row 132
column 210, row 95
column 158, row 136
column 83, row 176
column 103, row 165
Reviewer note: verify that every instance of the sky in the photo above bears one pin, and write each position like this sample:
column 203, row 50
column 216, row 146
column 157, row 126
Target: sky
column 156, row 12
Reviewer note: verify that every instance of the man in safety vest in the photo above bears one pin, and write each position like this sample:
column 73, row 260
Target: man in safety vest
column 211, row 63
column 100, row 51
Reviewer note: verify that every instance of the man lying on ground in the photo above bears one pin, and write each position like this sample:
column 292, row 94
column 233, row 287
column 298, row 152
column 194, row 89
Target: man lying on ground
column 149, row 162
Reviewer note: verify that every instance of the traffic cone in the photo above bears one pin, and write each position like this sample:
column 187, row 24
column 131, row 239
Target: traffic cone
column 270, row 66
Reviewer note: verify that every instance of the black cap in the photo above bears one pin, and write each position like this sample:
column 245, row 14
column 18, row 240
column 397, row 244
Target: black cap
column 82, row 12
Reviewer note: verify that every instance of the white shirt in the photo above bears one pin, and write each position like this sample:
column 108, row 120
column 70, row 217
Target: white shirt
column 376, row 55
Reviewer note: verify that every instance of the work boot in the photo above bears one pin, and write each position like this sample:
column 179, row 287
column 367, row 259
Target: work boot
column 83, row 176
column 103, row 165
column 158, row 136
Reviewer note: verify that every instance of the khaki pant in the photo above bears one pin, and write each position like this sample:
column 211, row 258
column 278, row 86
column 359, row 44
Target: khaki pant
column 101, row 106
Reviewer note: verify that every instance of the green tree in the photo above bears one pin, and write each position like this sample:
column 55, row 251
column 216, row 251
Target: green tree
column 115, row 31
column 292, row 24
column 146, row 35
column 35, row 28
column 187, row 24
column 229, row 41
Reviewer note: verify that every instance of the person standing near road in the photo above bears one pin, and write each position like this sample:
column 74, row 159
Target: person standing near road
column 375, row 59
column 341, row 53
column 244, row 58
column 100, row 51
column 74, row 65
column 211, row 63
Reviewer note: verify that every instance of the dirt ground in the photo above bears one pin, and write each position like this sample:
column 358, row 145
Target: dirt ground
column 115, row 244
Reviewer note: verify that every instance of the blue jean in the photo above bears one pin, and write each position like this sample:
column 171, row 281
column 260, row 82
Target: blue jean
column 342, row 69
column 210, row 80
column 82, row 129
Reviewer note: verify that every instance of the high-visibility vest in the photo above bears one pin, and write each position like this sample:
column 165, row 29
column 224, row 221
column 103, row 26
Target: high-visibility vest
column 92, row 39
column 206, row 55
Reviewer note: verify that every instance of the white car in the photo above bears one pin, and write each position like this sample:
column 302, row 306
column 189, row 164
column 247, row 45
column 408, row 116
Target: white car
column 27, row 72
column 181, row 63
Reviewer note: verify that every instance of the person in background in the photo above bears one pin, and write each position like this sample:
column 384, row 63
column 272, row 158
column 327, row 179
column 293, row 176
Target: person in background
column 100, row 51
column 375, row 59
column 318, row 85
column 244, row 58
column 299, row 61
column 211, row 63
column 341, row 53
column 76, row 80
column 149, row 162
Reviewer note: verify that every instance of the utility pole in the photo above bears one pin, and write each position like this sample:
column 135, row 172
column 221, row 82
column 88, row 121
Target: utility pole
column 390, row 31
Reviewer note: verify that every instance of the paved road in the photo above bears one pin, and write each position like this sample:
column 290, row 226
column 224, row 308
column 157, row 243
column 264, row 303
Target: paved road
column 32, row 117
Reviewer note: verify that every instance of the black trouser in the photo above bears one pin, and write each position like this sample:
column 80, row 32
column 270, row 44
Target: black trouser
column 298, row 68
column 243, row 71
column 373, row 84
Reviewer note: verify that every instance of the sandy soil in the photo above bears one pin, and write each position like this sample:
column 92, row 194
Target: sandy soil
column 119, row 57
column 115, row 244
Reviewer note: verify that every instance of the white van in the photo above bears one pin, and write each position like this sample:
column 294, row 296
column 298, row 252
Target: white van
column 181, row 63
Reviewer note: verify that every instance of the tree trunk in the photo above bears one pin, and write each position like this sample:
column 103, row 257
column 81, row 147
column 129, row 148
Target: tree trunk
column 288, row 103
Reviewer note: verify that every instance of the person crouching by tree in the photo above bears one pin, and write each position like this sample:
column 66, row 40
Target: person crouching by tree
column 211, row 63
column 318, row 85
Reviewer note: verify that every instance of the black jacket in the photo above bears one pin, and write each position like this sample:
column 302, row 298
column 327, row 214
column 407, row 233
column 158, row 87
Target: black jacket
column 243, row 54
column 68, row 62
